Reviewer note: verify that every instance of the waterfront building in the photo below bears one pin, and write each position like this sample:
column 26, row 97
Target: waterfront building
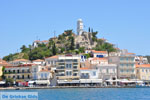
column 41, row 75
column 96, row 60
column 19, row 62
column 107, row 71
column 51, row 61
column 89, row 76
column 125, row 64
column 143, row 72
column 1, row 70
column 18, row 73
column 99, row 54
column 88, row 73
column 4, row 63
column 38, row 62
column 67, row 68
column 141, row 60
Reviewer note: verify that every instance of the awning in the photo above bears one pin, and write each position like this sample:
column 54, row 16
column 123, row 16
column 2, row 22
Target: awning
column 110, row 80
column 31, row 82
column 42, row 82
column 2, row 82
column 90, row 80
column 67, row 81
column 127, row 81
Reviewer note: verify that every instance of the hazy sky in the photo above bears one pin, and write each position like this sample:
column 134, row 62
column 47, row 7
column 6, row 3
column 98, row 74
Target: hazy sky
column 125, row 23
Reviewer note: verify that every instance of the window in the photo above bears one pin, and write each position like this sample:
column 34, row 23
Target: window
column 69, row 73
column 68, row 66
column 45, row 75
column 35, row 76
column 23, row 71
column 18, row 71
column 127, row 59
column 114, row 71
column 94, row 73
column 142, row 70
column 121, row 70
column 22, row 76
column 75, row 74
column 132, row 65
column 121, row 58
column 34, row 69
column 146, row 71
column 28, row 76
column 107, row 70
column 41, row 75
column 28, row 70
column 13, row 71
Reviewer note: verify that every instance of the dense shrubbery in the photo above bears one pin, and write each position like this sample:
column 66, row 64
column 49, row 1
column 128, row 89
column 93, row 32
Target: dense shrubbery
column 65, row 43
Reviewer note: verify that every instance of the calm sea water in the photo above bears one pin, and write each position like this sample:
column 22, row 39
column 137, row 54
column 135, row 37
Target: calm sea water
column 91, row 93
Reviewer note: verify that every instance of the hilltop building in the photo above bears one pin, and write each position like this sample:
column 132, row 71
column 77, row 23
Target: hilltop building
column 79, row 27
column 83, row 38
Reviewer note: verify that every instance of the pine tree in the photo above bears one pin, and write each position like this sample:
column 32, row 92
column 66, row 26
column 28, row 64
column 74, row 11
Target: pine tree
column 54, row 49
column 72, row 43
column 89, row 29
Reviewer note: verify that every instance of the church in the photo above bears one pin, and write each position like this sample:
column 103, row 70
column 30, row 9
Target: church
column 83, row 38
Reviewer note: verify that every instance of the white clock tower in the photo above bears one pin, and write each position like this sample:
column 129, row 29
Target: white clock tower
column 79, row 26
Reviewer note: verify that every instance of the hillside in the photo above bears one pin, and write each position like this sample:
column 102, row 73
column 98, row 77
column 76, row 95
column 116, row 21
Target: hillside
column 64, row 43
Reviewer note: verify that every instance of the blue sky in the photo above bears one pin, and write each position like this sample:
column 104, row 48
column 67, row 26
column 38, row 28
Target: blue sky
column 125, row 23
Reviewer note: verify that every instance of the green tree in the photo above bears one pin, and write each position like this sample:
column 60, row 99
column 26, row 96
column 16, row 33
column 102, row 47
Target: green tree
column 24, row 49
column 82, row 49
column 94, row 37
column 9, row 81
column 72, row 43
column 105, row 47
column 54, row 50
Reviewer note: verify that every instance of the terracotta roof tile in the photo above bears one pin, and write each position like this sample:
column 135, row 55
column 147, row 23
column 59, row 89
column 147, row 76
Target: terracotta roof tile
column 95, row 58
column 143, row 65
column 105, row 52
column 84, row 68
column 38, row 60
column 54, row 57
column 21, row 60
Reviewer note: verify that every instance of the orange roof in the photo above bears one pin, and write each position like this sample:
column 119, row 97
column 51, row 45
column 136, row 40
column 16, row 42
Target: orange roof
column 143, row 65
column 131, row 53
column 54, row 57
column 95, row 58
column 38, row 60
column 21, row 60
column 23, row 65
column 44, row 41
column 105, row 52
column 4, row 63
column 84, row 68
